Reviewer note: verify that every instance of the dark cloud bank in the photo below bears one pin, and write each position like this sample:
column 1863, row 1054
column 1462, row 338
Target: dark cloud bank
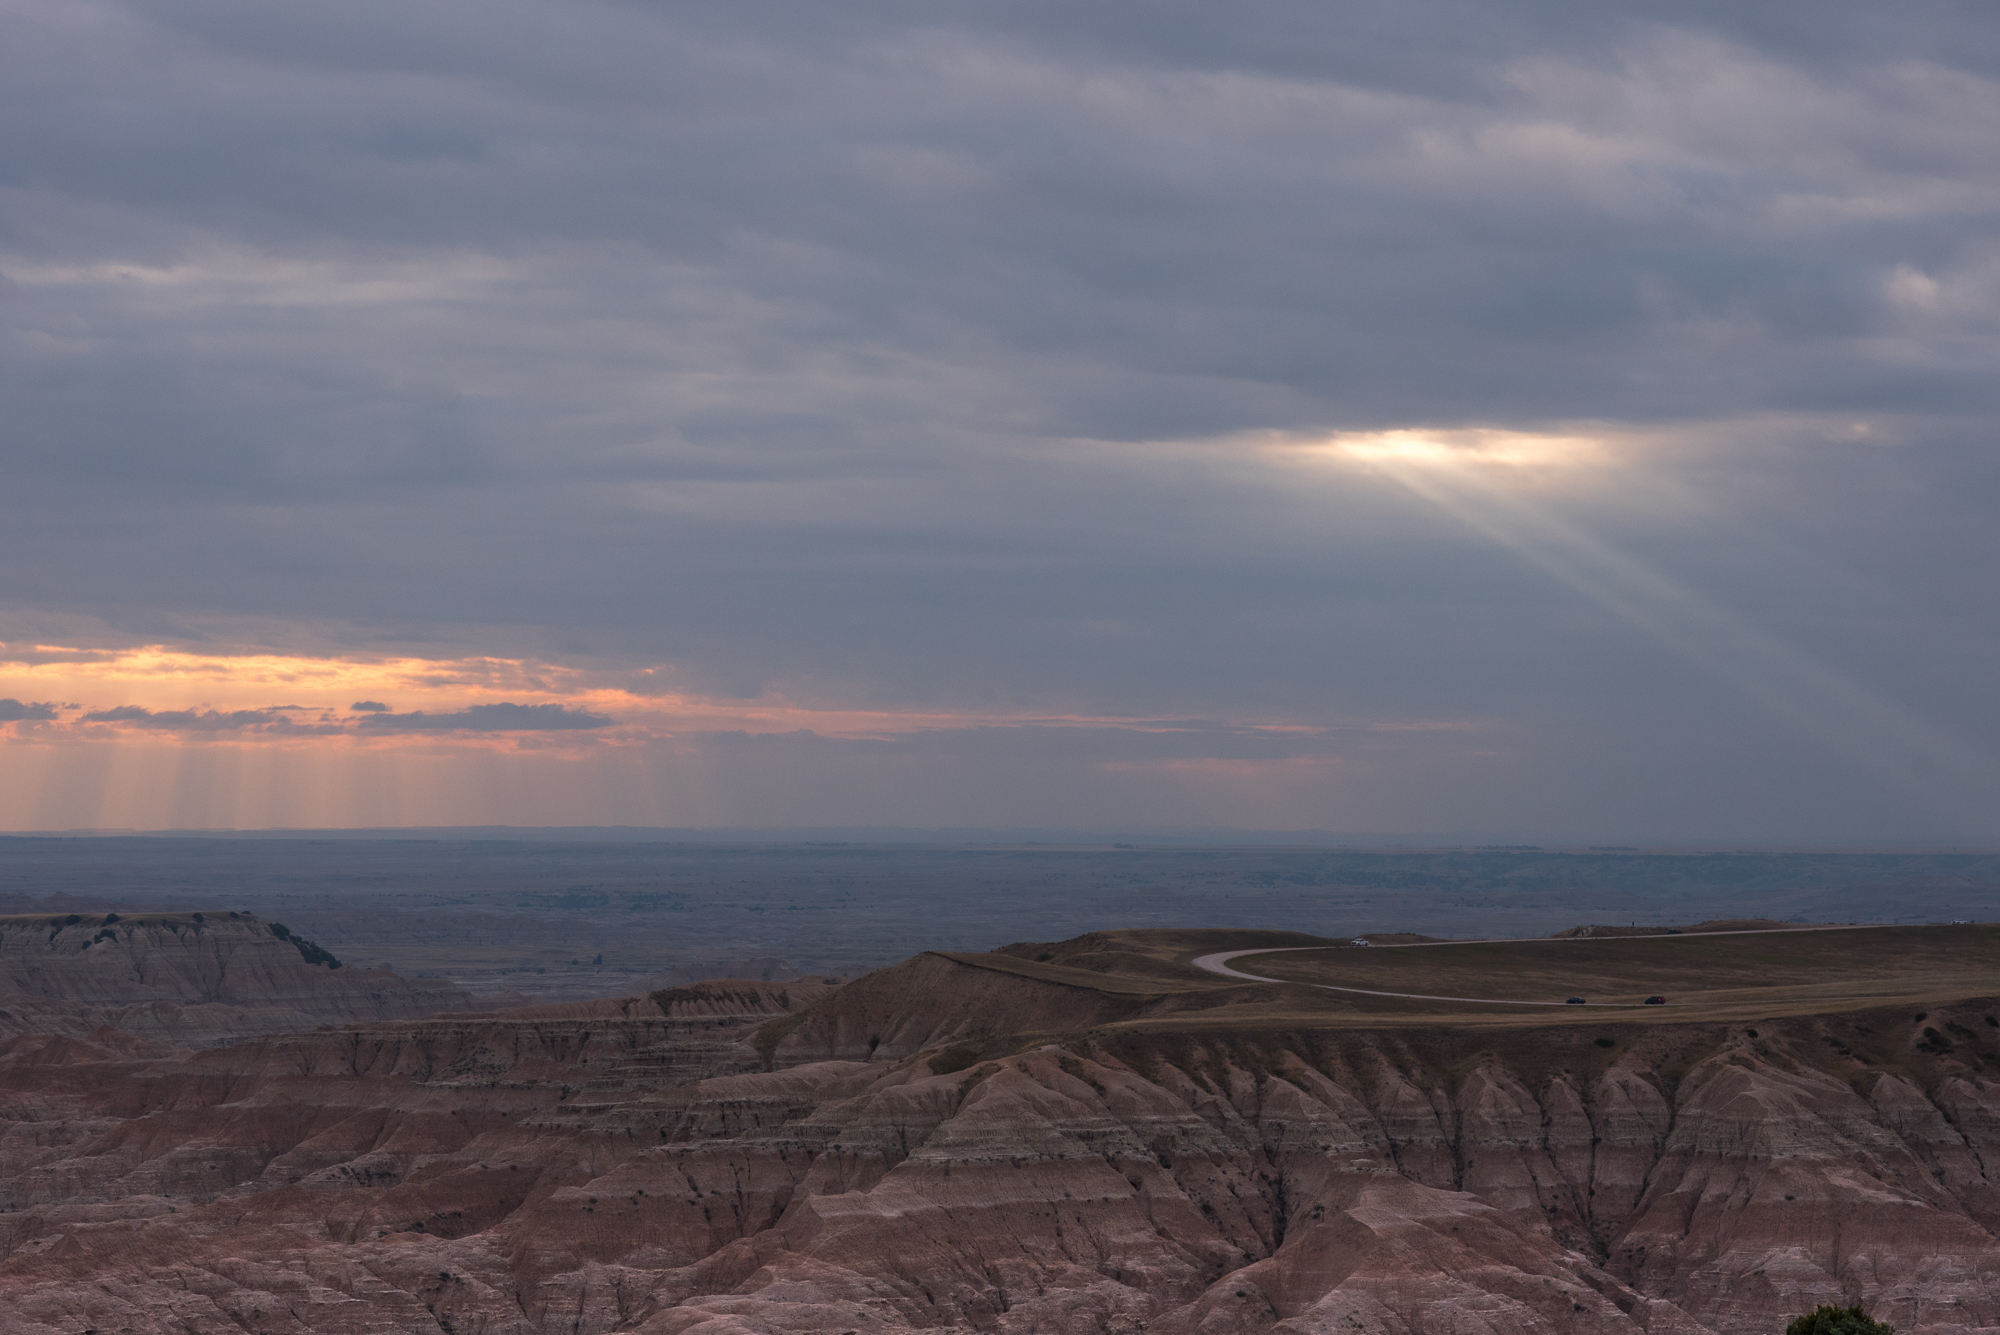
column 848, row 351
column 501, row 717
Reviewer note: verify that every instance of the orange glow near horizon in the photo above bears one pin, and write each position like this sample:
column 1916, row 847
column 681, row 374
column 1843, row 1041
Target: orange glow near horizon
column 158, row 676
column 262, row 740
column 78, row 682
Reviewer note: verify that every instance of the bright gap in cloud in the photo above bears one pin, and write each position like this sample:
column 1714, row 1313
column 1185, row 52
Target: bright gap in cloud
column 1466, row 448
column 1488, row 480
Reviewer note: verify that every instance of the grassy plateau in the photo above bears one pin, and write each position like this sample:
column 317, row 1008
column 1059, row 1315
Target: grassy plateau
column 1727, row 976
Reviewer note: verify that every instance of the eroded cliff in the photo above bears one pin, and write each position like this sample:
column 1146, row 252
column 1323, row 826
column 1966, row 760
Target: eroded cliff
column 195, row 978
column 636, row 1172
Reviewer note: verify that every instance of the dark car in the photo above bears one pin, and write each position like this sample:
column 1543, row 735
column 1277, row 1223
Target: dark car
column 1576, row 1001
column 1656, row 1001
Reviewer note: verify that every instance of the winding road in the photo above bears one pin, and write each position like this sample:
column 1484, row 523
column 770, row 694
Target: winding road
column 1219, row 963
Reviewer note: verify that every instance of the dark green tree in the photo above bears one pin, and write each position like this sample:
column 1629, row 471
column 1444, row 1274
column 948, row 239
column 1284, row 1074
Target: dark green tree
column 310, row 952
column 1825, row 1320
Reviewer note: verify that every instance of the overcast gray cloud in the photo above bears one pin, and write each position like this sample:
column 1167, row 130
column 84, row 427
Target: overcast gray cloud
column 931, row 357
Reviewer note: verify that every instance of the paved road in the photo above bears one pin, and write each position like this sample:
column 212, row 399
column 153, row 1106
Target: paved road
column 1219, row 963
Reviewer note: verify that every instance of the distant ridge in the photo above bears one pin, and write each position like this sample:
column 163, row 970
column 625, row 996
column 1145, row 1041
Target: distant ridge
column 195, row 978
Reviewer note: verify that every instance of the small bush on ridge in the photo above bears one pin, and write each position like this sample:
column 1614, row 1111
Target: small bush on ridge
column 1828, row 1320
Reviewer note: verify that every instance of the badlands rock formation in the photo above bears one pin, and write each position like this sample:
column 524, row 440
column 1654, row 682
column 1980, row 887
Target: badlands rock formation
column 195, row 978
column 959, row 1144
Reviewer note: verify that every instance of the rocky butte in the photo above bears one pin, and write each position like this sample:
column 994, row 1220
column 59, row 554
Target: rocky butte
column 198, row 978
column 1081, row 1136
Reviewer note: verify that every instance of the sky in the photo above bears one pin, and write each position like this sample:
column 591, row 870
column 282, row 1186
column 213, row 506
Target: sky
column 1528, row 420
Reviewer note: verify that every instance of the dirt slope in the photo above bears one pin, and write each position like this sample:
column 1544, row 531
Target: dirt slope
column 632, row 1172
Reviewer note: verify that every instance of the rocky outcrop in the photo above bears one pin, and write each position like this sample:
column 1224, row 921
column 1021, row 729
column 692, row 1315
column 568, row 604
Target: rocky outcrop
column 685, row 1172
column 195, row 978
column 941, row 998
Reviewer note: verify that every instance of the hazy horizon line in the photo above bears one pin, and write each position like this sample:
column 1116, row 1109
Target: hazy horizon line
column 1114, row 840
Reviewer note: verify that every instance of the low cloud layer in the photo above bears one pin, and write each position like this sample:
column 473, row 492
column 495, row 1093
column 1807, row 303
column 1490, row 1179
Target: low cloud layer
column 501, row 717
column 293, row 721
column 899, row 376
column 208, row 720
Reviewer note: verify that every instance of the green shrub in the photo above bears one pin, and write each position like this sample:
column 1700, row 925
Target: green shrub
column 310, row 952
column 1825, row 1320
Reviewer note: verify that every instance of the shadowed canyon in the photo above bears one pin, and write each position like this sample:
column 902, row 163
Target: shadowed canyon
column 1078, row 1136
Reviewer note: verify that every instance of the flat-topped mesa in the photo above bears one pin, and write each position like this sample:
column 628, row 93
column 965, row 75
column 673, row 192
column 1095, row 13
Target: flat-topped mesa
column 198, row 978
column 1260, row 981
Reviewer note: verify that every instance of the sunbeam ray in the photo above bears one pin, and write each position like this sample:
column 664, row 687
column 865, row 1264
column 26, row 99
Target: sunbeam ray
column 1815, row 700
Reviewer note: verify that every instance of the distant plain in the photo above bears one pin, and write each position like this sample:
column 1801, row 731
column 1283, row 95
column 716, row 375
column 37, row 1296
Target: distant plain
column 554, row 919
